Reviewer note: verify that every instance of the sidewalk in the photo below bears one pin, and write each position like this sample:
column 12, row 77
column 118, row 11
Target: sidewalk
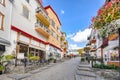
column 16, row 76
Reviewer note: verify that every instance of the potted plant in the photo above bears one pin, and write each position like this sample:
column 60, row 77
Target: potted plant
column 9, row 57
column 1, row 68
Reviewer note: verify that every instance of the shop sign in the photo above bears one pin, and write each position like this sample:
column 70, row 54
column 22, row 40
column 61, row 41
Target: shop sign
column 42, row 45
column 24, row 38
column 33, row 42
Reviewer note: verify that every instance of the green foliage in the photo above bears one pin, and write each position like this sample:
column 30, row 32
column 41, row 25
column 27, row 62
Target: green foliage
column 103, row 66
column 9, row 57
column 35, row 58
column 30, row 55
column 82, row 59
column 1, row 67
column 51, row 59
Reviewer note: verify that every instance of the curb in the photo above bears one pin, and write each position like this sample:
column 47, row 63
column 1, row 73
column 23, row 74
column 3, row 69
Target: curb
column 19, row 76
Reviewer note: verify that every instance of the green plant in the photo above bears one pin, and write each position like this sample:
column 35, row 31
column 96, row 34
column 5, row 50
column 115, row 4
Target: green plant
column 103, row 66
column 82, row 59
column 9, row 57
column 1, row 67
column 30, row 55
column 34, row 58
column 51, row 59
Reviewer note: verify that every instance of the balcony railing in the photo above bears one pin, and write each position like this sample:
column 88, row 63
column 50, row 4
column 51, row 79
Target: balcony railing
column 43, row 16
column 42, row 28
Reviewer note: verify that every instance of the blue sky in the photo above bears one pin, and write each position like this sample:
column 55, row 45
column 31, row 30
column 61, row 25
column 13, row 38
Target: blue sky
column 75, row 16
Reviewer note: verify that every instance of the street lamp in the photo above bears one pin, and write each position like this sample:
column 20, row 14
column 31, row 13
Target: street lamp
column 119, row 51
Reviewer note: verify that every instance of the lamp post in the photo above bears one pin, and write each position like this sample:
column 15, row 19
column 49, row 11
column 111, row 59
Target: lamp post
column 119, row 51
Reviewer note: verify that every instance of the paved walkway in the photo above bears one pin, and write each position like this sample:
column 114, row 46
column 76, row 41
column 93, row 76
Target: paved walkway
column 54, row 71
column 63, row 71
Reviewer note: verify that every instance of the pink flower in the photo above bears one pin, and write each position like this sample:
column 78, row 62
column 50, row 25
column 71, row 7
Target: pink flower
column 93, row 19
column 109, row 4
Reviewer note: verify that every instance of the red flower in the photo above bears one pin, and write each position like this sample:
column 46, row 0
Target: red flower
column 109, row 4
column 93, row 19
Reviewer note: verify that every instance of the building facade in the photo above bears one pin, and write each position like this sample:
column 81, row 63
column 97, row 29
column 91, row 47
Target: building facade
column 55, row 35
column 64, row 44
column 26, row 27
column 5, row 23
column 107, row 38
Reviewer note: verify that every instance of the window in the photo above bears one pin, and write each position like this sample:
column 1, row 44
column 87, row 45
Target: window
column 25, row 12
column 114, row 55
column 27, row 1
column 53, row 23
column 2, row 2
column 1, row 21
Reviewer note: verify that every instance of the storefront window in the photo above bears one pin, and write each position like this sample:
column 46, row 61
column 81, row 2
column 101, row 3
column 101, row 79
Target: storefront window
column 114, row 55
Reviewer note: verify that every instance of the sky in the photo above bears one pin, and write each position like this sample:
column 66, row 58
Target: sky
column 75, row 17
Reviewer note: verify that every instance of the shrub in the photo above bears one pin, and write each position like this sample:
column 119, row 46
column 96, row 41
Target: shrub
column 103, row 66
column 1, row 67
column 9, row 57
column 51, row 59
column 96, row 65
column 82, row 59
column 34, row 58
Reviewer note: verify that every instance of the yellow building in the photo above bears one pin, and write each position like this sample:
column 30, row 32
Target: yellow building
column 55, row 33
column 64, row 43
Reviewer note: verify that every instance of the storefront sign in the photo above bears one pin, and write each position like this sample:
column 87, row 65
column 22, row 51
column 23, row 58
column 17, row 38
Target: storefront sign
column 42, row 45
column 33, row 42
column 24, row 38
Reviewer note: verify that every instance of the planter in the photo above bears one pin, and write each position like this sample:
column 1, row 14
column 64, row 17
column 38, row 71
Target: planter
column 113, row 37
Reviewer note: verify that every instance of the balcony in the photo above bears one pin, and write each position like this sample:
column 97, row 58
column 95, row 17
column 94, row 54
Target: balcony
column 113, row 36
column 42, row 16
column 42, row 29
column 93, row 40
column 93, row 48
column 62, row 38
column 65, row 42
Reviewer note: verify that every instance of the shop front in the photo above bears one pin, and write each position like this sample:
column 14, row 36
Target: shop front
column 3, row 44
column 111, row 56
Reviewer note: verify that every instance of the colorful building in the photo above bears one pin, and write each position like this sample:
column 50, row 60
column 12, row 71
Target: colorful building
column 106, row 25
column 5, row 26
column 54, row 47
column 26, row 27
column 64, row 44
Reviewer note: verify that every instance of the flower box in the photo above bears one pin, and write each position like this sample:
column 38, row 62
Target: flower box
column 113, row 37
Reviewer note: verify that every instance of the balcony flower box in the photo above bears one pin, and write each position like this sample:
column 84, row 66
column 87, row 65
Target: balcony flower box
column 113, row 36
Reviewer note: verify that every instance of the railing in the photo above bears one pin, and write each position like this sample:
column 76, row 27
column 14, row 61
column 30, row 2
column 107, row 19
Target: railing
column 42, row 26
column 39, row 10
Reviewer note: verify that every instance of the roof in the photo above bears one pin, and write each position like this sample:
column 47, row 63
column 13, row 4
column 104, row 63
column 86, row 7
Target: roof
column 53, row 12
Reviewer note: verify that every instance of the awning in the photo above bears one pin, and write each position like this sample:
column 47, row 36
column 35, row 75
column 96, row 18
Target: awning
column 4, row 41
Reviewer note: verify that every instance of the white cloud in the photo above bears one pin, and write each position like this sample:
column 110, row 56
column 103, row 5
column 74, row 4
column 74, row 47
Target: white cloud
column 74, row 46
column 62, row 12
column 81, row 36
column 70, row 35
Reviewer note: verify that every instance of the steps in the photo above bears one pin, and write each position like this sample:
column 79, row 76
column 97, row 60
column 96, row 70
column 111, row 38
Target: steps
column 84, row 72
